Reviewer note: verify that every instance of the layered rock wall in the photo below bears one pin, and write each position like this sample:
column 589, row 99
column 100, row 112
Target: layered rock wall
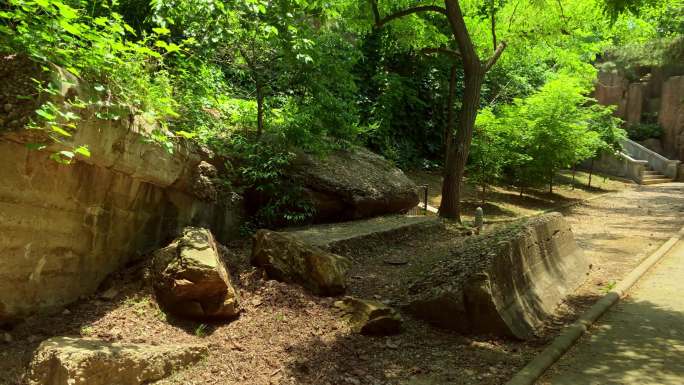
column 659, row 94
column 671, row 116
column 64, row 228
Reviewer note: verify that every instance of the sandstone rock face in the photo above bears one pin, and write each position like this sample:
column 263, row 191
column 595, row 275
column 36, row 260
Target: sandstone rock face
column 671, row 116
column 87, row 361
column 653, row 144
column 352, row 184
column 190, row 279
column 635, row 102
column 286, row 258
column 610, row 89
column 370, row 317
column 64, row 228
column 506, row 282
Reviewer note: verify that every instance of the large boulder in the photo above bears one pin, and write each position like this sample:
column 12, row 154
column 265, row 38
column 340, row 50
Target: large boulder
column 190, row 279
column 88, row 361
column 506, row 282
column 369, row 317
column 353, row 183
column 286, row 258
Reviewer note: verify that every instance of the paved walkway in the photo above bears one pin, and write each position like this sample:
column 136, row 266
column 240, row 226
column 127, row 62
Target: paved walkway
column 639, row 341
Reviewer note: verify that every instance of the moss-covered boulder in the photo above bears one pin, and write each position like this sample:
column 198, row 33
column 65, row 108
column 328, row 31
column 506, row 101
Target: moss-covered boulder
column 352, row 183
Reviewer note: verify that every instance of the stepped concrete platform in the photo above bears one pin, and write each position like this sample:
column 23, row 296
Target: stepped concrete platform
column 649, row 177
column 328, row 236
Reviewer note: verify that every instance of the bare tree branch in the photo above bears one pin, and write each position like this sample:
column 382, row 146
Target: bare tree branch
column 442, row 50
column 492, row 60
column 379, row 22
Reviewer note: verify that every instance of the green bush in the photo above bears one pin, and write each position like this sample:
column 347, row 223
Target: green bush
column 643, row 131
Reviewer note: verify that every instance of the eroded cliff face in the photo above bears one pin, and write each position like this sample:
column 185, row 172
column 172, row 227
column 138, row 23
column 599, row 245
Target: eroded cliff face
column 64, row 228
column 660, row 93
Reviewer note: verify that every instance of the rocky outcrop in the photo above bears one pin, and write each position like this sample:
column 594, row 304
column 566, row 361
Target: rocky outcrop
column 635, row 102
column 286, row 258
column 190, row 279
column 353, row 183
column 64, row 228
column 369, row 317
column 658, row 93
column 671, row 116
column 611, row 88
column 506, row 282
column 87, row 361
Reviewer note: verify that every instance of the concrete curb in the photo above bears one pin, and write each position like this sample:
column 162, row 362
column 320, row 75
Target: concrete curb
column 536, row 368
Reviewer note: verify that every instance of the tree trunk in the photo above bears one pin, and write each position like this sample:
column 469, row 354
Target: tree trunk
column 260, row 109
column 591, row 171
column 574, row 170
column 450, row 206
column 484, row 193
column 456, row 152
column 449, row 130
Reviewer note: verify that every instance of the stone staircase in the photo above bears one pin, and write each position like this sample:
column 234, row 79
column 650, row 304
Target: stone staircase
column 651, row 167
column 653, row 177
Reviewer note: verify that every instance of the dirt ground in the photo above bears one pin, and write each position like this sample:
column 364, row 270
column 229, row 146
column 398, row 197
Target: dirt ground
column 503, row 202
column 286, row 336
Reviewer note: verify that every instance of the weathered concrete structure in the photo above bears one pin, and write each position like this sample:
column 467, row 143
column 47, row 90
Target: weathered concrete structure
column 636, row 162
column 287, row 258
column 506, row 282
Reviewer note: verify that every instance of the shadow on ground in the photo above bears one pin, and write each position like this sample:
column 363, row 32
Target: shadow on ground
column 617, row 349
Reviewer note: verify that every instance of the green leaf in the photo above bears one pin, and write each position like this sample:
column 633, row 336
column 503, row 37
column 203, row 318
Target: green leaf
column 45, row 115
column 73, row 29
column 63, row 157
column 161, row 31
column 82, row 150
column 60, row 130
column 130, row 30
column 73, row 70
column 186, row 135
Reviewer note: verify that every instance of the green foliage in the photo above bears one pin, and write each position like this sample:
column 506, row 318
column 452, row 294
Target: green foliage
column 643, row 131
column 257, row 80
column 280, row 201
column 201, row 330
column 533, row 138
column 123, row 73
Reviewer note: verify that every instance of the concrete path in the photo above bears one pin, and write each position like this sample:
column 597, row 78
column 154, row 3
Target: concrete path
column 639, row 341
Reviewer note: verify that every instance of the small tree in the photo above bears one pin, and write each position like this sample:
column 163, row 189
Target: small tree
column 489, row 153
column 608, row 128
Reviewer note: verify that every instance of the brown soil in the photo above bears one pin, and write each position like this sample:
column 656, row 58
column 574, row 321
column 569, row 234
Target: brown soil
column 504, row 202
column 286, row 336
